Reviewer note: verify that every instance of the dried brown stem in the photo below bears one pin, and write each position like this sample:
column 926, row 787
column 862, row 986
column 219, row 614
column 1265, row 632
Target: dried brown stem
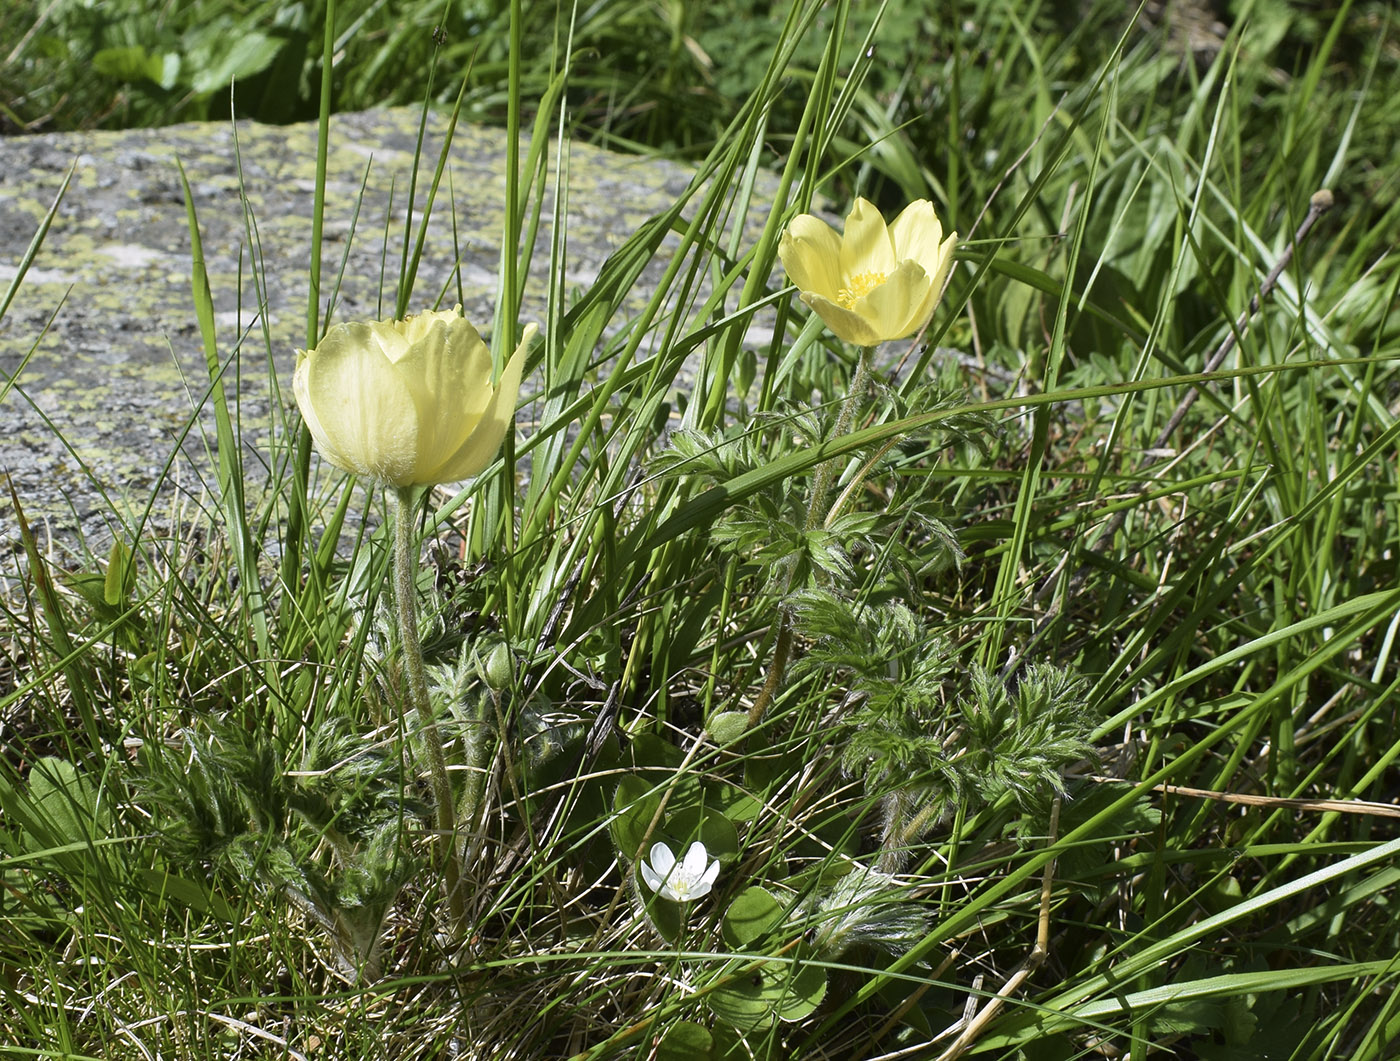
column 1032, row 962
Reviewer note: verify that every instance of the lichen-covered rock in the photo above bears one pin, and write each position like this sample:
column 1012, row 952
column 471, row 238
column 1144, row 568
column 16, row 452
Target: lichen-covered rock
column 101, row 340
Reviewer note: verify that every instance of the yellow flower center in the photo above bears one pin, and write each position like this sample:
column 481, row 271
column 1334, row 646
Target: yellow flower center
column 860, row 285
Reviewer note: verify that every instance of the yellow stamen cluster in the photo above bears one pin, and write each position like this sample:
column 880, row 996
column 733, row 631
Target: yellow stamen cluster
column 860, row 285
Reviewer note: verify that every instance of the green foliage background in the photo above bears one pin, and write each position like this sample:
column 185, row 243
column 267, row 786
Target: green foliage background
column 1137, row 774
column 944, row 81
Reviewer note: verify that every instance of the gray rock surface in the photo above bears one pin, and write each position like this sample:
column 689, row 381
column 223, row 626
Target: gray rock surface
column 103, row 367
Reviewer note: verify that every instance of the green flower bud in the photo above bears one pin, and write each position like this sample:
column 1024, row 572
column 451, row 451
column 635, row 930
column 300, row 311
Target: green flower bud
column 499, row 671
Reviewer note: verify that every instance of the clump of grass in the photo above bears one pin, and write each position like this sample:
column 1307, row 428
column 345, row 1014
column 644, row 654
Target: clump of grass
column 1084, row 737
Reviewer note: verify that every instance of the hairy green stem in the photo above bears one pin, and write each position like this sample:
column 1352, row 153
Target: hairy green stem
column 821, row 486
column 903, row 831
column 405, row 600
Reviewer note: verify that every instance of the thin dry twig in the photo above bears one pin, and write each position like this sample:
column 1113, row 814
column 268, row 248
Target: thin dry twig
column 972, row 1028
column 1339, row 806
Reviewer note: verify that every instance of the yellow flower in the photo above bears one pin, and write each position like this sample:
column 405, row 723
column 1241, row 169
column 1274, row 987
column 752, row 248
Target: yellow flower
column 408, row 402
column 871, row 283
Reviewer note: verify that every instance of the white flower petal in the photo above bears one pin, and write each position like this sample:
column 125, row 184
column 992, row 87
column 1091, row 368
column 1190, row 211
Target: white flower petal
column 711, row 874
column 661, row 859
column 680, row 882
column 653, row 881
column 696, row 858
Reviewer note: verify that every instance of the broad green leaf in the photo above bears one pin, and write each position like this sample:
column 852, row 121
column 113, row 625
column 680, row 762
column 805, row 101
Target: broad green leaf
column 685, row 1041
column 121, row 575
column 667, row 917
column 66, row 801
column 786, row 990
column 193, row 894
column 135, row 64
column 804, row 987
column 753, row 914
column 220, row 56
column 635, row 804
column 709, row 826
column 743, row 1003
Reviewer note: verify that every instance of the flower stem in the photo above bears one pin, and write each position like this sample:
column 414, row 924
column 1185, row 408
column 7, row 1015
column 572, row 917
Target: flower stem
column 821, row 486
column 405, row 600
column 781, row 648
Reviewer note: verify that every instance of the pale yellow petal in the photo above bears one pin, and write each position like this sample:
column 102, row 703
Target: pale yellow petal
column 810, row 251
column 865, row 244
column 414, row 327
column 389, row 337
column 362, row 416
column 844, row 323
column 936, row 282
column 448, row 371
column 917, row 235
column 923, row 311
column 893, row 308
column 301, row 391
column 945, row 262
column 480, row 448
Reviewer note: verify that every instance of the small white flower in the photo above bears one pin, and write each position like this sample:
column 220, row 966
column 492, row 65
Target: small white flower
column 682, row 881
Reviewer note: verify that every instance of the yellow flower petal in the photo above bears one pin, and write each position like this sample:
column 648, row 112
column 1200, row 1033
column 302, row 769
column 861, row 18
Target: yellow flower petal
column 415, row 326
column 447, row 360
column 894, row 308
column 917, row 234
column 810, row 251
column 874, row 282
column 392, row 342
column 945, row 263
column 844, row 323
column 936, row 281
column 865, row 245
column 407, row 402
column 363, row 417
column 481, row 446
